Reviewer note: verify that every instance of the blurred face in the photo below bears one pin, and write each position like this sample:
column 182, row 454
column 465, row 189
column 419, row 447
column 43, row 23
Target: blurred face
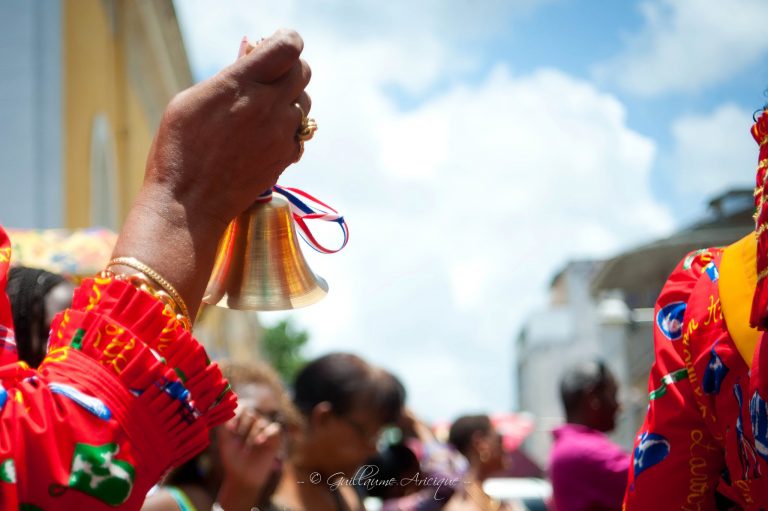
column 228, row 455
column 260, row 399
column 343, row 442
column 56, row 300
column 604, row 406
column 491, row 451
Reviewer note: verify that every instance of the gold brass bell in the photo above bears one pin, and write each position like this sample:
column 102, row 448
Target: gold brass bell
column 259, row 265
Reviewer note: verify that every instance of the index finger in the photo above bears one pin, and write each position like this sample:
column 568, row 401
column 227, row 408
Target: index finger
column 271, row 58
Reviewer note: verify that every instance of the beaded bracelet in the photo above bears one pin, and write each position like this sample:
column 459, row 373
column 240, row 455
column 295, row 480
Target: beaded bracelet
column 148, row 282
column 143, row 283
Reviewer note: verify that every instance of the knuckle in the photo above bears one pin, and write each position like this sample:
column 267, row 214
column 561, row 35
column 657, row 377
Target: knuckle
column 177, row 104
column 306, row 71
column 291, row 37
column 286, row 49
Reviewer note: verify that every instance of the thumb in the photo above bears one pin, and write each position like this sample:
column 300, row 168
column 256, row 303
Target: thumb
column 270, row 59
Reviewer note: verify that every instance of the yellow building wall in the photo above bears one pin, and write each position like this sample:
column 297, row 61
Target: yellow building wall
column 137, row 142
column 96, row 82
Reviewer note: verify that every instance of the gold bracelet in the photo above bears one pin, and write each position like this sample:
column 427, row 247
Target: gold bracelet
column 144, row 283
column 134, row 263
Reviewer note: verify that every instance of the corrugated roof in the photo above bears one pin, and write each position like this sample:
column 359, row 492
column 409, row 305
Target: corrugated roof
column 642, row 271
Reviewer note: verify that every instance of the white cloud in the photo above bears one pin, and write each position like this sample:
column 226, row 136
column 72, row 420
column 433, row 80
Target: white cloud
column 410, row 44
column 713, row 152
column 460, row 207
column 446, row 263
column 686, row 45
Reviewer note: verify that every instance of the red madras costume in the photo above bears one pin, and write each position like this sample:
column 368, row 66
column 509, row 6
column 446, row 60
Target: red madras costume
column 707, row 423
column 124, row 393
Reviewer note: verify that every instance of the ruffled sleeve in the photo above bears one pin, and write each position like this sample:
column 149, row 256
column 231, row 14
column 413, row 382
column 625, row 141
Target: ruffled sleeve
column 124, row 394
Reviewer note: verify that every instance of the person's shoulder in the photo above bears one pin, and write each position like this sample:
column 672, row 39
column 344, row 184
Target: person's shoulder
column 582, row 445
column 568, row 447
column 162, row 498
column 695, row 276
column 177, row 498
column 697, row 261
column 691, row 268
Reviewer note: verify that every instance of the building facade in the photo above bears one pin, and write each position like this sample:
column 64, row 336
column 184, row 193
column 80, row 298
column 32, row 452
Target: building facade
column 84, row 83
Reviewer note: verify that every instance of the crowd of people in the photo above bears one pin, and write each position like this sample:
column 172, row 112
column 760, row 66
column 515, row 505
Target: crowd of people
column 303, row 449
column 108, row 401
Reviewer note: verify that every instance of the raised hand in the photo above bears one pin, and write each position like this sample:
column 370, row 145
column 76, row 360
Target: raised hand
column 219, row 145
column 248, row 446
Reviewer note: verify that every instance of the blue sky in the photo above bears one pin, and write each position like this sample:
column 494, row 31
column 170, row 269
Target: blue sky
column 477, row 146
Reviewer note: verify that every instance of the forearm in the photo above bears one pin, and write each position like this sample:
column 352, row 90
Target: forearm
column 185, row 253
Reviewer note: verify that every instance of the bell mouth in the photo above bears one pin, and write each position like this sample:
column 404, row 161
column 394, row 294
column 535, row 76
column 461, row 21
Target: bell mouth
column 259, row 264
column 276, row 302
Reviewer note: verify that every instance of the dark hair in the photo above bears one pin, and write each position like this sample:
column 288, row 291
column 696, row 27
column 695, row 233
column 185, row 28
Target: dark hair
column 395, row 462
column 464, row 428
column 27, row 288
column 347, row 381
column 580, row 379
column 261, row 373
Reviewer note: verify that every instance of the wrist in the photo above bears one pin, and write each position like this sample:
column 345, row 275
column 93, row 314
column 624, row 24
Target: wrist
column 180, row 210
column 176, row 240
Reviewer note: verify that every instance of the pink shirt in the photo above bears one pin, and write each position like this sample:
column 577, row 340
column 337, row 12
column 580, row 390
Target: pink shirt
column 587, row 470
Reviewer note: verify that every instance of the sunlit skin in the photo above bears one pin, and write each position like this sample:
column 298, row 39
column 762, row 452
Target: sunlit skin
column 326, row 452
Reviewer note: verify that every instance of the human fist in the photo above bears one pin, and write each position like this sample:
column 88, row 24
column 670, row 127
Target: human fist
column 227, row 139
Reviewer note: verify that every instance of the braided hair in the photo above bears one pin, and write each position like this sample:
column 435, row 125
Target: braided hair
column 27, row 289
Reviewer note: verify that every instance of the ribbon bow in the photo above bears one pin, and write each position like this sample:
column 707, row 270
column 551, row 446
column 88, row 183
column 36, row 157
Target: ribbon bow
column 304, row 207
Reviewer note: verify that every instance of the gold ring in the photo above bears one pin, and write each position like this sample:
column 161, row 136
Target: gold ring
column 307, row 130
column 307, row 127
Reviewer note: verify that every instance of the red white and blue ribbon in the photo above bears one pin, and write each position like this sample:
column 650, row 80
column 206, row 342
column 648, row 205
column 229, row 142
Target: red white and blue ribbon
column 304, row 207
